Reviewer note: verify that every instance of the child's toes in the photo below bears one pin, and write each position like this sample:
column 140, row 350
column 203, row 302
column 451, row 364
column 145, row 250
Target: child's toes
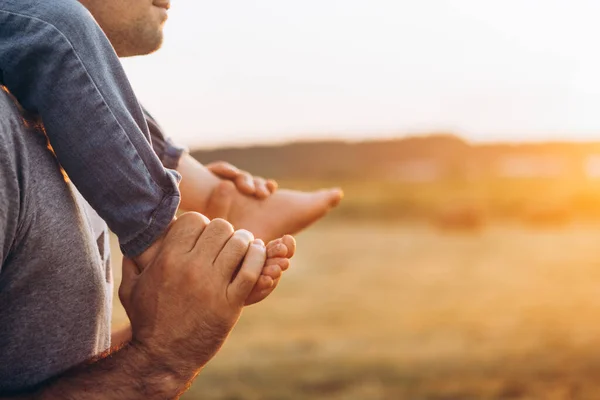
column 290, row 244
column 274, row 271
column 264, row 282
column 259, row 294
column 282, row 263
column 277, row 249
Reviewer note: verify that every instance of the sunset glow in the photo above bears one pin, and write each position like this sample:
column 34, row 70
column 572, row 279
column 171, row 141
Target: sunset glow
column 238, row 72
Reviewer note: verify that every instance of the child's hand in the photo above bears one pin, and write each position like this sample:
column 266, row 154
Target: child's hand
column 244, row 182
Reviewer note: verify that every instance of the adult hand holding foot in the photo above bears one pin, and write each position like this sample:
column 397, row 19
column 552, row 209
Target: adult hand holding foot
column 185, row 302
column 279, row 253
column 182, row 307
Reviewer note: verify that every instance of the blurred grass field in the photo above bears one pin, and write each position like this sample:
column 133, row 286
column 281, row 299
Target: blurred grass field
column 375, row 310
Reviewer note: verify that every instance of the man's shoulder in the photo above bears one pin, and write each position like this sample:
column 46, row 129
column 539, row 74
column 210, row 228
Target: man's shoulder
column 15, row 122
column 23, row 148
column 10, row 187
column 9, row 107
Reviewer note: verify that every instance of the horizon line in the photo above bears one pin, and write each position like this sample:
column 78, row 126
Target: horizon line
column 386, row 138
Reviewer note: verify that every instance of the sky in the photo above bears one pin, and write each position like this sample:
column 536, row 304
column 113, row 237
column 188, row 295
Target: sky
column 240, row 72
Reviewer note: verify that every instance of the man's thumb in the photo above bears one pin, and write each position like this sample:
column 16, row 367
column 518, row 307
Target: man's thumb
column 130, row 274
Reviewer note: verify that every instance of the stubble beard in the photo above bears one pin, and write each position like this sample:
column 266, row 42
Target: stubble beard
column 138, row 41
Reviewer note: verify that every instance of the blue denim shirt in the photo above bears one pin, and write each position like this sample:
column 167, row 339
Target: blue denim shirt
column 58, row 63
column 165, row 148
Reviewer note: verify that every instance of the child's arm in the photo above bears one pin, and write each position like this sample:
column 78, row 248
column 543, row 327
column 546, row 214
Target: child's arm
column 56, row 60
column 171, row 155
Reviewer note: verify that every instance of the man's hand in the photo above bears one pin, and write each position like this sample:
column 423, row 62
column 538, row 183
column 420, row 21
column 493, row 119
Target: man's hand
column 244, row 181
column 182, row 306
column 185, row 302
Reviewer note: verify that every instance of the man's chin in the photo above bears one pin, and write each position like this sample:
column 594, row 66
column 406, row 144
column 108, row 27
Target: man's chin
column 141, row 49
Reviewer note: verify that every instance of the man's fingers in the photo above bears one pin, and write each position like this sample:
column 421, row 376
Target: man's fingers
column 184, row 232
column 233, row 253
column 223, row 169
column 213, row 239
column 248, row 274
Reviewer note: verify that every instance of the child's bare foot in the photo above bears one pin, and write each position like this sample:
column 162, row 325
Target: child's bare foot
column 279, row 252
column 283, row 212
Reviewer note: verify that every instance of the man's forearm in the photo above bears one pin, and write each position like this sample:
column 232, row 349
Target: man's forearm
column 126, row 373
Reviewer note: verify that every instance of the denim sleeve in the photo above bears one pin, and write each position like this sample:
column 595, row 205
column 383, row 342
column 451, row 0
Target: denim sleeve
column 165, row 148
column 56, row 60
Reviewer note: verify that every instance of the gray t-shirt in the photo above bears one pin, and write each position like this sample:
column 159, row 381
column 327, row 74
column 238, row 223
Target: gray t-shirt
column 55, row 278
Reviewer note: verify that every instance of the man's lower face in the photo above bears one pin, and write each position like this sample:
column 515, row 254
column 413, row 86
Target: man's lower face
column 134, row 27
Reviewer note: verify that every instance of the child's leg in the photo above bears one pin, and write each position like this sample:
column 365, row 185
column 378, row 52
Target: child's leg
column 57, row 62
column 282, row 212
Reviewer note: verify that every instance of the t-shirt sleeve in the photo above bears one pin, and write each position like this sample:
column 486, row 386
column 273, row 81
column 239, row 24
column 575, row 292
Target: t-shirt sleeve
column 10, row 196
column 165, row 148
